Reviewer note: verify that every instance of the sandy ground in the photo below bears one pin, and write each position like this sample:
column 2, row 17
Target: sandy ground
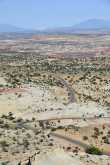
column 57, row 157
column 2, row 81
column 32, row 99
column 75, row 110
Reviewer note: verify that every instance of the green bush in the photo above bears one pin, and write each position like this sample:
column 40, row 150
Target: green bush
column 93, row 150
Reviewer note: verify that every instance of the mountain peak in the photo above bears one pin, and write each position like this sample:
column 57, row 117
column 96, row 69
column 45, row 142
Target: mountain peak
column 93, row 24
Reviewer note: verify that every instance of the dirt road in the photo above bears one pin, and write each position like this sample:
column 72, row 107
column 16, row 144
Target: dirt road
column 75, row 141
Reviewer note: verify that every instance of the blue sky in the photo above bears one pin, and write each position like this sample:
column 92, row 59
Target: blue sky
column 38, row 14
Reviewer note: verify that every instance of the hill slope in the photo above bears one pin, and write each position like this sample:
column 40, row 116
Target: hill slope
column 93, row 24
column 10, row 28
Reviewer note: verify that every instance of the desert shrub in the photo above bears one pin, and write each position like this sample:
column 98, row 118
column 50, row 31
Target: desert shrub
column 85, row 138
column 10, row 116
column 94, row 136
column 103, row 127
column 4, row 145
column 4, row 116
column 19, row 120
column 6, row 125
column 60, row 127
column 33, row 119
column 53, row 129
column 97, row 133
column 1, row 121
column 25, row 143
column 28, row 135
column 93, row 150
column 106, row 141
column 104, row 137
column 50, row 144
column 14, row 138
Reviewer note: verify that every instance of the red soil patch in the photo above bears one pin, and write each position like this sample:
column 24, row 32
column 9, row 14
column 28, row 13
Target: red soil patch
column 12, row 90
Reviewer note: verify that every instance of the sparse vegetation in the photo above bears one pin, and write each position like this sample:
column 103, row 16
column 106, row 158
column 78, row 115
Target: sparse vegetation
column 54, row 75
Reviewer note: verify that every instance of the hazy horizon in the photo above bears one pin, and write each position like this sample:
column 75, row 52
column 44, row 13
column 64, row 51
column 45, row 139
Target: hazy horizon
column 48, row 14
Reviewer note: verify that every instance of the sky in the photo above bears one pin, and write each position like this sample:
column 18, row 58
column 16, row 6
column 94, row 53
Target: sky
column 40, row 14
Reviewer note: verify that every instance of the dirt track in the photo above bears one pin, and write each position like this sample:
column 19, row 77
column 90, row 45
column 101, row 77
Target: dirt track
column 75, row 141
column 73, row 118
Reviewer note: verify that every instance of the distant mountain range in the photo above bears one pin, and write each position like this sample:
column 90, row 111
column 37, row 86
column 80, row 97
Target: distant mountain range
column 10, row 28
column 88, row 25
column 6, row 28
column 93, row 24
